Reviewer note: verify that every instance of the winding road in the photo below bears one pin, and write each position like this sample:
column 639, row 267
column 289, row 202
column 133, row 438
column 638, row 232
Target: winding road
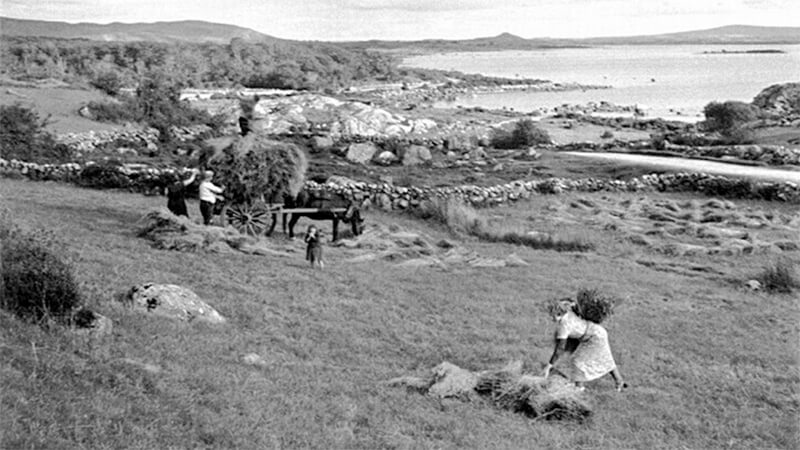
column 698, row 165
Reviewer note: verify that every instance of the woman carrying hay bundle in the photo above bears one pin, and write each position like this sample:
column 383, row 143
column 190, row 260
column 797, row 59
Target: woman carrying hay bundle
column 591, row 358
column 176, row 193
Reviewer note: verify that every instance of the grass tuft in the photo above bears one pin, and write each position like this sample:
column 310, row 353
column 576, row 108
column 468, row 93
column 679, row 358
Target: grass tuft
column 779, row 277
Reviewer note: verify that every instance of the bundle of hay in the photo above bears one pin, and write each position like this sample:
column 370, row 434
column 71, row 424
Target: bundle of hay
column 255, row 167
column 170, row 232
column 507, row 388
column 594, row 306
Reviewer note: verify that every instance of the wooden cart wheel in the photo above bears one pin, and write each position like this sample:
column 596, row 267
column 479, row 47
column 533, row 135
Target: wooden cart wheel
column 249, row 219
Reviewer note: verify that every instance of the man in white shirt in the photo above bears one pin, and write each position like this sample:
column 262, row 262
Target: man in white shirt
column 209, row 193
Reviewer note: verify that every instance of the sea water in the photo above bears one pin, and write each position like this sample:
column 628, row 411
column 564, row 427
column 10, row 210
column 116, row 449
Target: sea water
column 669, row 81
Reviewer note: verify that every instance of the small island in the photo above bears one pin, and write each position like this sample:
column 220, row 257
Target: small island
column 740, row 52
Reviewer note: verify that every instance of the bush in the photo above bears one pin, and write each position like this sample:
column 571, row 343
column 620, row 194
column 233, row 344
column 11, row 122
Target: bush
column 607, row 135
column 37, row 282
column 730, row 119
column 104, row 176
column 109, row 82
column 779, row 277
column 23, row 137
column 525, row 134
column 114, row 112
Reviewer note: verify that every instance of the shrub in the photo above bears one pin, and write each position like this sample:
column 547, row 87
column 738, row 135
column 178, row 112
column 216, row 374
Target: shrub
column 37, row 282
column 525, row 134
column 105, row 176
column 23, row 137
column 730, row 119
column 114, row 112
column 109, row 82
column 779, row 277
column 607, row 135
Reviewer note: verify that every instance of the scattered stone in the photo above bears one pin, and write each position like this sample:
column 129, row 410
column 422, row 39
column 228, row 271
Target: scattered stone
column 321, row 144
column 361, row 153
column 753, row 285
column 254, row 359
column 415, row 155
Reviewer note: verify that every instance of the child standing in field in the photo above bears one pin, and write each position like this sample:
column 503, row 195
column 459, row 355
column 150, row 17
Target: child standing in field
column 313, row 241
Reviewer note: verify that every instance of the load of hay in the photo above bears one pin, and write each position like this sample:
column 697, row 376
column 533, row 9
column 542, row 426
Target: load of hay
column 552, row 398
column 256, row 167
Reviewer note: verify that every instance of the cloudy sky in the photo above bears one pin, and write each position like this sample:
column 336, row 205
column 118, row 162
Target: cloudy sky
column 417, row 19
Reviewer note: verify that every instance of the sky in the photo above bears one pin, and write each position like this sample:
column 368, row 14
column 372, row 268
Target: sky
column 337, row 20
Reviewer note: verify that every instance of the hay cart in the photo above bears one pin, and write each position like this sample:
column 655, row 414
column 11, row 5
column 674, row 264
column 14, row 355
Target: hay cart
column 257, row 172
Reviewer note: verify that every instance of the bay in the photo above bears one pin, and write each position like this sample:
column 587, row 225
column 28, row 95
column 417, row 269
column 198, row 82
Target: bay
column 669, row 81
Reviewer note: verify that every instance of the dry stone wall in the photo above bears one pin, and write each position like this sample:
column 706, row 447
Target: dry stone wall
column 146, row 179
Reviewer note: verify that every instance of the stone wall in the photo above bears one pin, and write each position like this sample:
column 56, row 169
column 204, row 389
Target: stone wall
column 145, row 179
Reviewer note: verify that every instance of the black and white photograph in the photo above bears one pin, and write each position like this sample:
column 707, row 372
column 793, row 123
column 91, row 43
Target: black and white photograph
column 399, row 224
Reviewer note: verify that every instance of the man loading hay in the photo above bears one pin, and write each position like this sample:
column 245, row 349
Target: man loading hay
column 578, row 332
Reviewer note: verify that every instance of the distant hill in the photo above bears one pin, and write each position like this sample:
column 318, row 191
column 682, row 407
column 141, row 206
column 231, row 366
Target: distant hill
column 732, row 34
column 729, row 35
column 199, row 31
column 182, row 31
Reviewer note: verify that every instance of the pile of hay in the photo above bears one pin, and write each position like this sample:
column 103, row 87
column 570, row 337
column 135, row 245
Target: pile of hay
column 170, row 232
column 255, row 167
column 552, row 398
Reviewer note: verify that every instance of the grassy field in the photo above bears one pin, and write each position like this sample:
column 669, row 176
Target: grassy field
column 711, row 364
column 61, row 104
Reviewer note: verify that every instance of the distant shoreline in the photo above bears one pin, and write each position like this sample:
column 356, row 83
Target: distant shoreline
column 740, row 52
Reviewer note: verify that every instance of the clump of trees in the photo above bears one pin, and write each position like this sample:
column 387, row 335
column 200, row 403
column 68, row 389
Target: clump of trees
column 157, row 104
column 109, row 66
column 23, row 137
column 731, row 120
column 524, row 134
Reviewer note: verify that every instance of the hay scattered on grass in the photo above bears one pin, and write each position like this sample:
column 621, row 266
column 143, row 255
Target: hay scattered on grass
column 553, row 398
column 170, row 232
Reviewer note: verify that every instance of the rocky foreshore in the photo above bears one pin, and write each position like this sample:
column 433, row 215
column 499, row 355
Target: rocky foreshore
column 139, row 178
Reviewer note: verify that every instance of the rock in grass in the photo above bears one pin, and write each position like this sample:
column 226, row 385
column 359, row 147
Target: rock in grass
column 172, row 301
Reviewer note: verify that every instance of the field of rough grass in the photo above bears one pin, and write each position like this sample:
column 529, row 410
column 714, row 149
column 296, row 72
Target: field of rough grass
column 710, row 363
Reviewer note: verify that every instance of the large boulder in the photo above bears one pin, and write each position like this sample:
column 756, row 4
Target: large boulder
column 172, row 301
column 779, row 99
column 361, row 152
column 415, row 155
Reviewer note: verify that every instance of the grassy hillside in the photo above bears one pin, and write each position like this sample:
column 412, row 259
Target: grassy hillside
column 711, row 365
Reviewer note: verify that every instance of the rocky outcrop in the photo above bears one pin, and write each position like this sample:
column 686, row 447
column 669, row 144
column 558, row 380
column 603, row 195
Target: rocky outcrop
column 780, row 99
column 306, row 113
column 172, row 301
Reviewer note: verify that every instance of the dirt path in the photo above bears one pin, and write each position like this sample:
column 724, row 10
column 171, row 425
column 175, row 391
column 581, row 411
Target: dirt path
column 695, row 165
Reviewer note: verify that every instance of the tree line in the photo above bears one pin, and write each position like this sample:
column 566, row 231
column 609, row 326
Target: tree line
column 268, row 64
